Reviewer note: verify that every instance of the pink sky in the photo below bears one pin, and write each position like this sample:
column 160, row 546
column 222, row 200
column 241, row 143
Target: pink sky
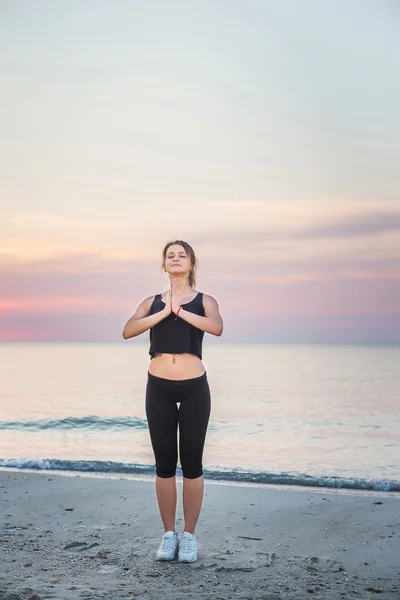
column 307, row 283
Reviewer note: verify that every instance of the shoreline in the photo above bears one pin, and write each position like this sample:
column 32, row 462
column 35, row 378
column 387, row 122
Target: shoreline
column 88, row 536
column 149, row 478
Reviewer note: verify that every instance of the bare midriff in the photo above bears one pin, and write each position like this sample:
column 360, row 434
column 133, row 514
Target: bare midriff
column 176, row 366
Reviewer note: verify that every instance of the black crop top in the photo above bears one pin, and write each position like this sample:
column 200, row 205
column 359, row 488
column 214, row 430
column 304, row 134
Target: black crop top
column 172, row 336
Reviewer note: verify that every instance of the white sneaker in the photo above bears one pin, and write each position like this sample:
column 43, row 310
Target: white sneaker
column 187, row 548
column 168, row 546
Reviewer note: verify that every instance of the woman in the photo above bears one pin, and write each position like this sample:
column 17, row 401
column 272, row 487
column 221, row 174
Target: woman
column 177, row 320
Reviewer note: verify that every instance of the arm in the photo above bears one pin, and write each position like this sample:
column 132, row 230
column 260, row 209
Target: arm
column 142, row 320
column 211, row 322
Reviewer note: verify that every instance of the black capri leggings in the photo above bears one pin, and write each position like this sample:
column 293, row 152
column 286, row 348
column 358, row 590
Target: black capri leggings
column 163, row 416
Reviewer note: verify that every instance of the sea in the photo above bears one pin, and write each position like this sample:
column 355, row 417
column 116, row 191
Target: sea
column 320, row 415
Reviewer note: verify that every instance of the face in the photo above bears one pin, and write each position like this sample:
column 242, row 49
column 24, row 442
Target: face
column 176, row 260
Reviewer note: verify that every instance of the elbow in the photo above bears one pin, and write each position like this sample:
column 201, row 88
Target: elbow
column 125, row 334
column 219, row 331
column 128, row 334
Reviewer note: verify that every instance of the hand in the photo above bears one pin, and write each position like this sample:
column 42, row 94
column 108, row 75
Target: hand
column 171, row 300
column 168, row 304
column 175, row 304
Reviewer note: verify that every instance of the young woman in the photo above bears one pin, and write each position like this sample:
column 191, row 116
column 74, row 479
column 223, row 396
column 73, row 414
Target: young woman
column 177, row 320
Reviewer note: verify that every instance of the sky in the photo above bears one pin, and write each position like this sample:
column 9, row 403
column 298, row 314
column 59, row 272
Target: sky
column 265, row 133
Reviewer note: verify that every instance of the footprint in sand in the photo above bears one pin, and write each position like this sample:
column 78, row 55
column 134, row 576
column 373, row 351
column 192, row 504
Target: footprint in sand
column 319, row 563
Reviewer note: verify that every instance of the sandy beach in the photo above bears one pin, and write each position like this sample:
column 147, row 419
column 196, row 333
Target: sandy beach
column 75, row 537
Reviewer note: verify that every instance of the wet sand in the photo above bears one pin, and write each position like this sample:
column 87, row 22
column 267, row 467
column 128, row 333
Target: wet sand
column 75, row 537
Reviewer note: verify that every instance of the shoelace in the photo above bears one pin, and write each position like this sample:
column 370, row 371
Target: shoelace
column 167, row 543
column 187, row 544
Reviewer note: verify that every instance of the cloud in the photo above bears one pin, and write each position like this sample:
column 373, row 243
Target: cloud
column 113, row 285
column 233, row 204
column 288, row 229
column 347, row 228
column 358, row 226
column 82, row 271
column 265, row 279
column 44, row 305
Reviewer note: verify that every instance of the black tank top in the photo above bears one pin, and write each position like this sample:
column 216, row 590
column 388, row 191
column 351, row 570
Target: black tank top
column 172, row 336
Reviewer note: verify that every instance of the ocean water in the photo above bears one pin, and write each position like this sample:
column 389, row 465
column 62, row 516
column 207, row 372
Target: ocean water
column 312, row 414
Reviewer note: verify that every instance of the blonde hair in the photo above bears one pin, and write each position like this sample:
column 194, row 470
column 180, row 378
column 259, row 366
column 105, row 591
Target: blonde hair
column 193, row 260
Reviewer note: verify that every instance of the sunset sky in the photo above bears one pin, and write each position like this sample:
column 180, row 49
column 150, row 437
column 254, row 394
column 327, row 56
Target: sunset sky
column 265, row 133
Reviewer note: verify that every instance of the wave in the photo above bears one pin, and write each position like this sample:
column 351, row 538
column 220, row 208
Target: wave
column 90, row 422
column 233, row 476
